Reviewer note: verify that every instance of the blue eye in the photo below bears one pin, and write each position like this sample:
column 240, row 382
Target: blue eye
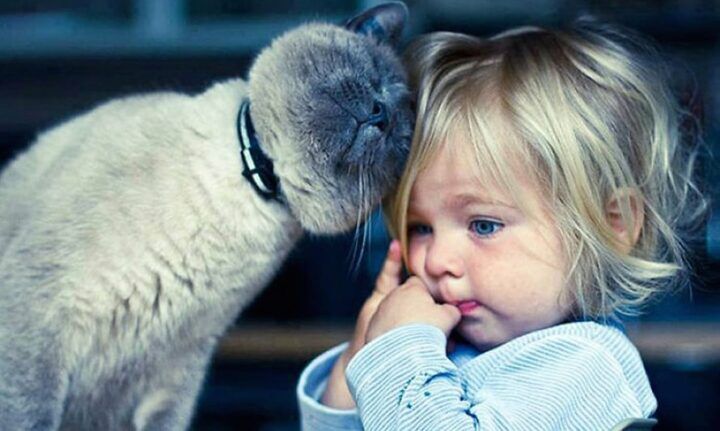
column 419, row 229
column 485, row 227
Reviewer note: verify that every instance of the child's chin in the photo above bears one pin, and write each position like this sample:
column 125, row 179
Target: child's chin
column 480, row 338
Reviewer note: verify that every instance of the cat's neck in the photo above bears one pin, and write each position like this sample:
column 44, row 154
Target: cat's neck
column 244, row 215
column 257, row 167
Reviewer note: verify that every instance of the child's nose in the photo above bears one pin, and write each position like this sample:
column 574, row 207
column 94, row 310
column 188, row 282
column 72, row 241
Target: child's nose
column 443, row 258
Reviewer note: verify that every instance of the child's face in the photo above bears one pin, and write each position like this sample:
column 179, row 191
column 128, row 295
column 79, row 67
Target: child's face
column 472, row 247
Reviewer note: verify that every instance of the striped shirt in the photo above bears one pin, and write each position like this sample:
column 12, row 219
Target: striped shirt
column 574, row 376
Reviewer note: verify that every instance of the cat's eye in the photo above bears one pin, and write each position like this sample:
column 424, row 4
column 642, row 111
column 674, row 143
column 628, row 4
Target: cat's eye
column 378, row 116
column 377, row 108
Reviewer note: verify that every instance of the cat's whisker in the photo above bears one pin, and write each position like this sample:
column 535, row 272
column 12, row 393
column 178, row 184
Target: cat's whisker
column 366, row 233
column 359, row 237
column 357, row 254
column 353, row 248
column 366, row 215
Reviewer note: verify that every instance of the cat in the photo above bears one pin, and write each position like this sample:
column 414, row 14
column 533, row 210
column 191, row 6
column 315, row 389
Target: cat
column 132, row 236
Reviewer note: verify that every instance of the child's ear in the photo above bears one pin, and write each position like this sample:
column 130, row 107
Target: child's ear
column 627, row 229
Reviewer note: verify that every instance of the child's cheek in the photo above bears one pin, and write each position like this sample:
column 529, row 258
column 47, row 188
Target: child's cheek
column 415, row 258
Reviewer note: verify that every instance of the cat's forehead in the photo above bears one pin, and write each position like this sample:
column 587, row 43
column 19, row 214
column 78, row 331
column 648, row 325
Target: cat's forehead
column 332, row 44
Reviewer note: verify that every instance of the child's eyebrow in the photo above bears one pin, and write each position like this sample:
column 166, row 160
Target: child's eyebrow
column 463, row 200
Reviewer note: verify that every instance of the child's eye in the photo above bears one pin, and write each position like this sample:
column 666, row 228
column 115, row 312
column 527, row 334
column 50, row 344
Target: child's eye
column 419, row 229
column 485, row 227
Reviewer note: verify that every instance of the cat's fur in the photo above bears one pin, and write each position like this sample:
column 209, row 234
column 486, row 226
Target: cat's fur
column 129, row 239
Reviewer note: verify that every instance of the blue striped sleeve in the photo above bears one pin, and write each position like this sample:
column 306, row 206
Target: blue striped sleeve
column 314, row 416
column 554, row 379
column 403, row 380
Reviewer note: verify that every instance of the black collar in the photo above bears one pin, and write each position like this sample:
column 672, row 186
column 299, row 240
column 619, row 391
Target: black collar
column 257, row 167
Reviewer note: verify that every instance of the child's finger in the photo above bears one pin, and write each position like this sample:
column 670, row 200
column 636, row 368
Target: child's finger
column 389, row 277
column 387, row 281
column 452, row 315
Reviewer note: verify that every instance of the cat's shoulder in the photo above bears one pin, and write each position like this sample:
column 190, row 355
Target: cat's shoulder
column 219, row 95
column 224, row 91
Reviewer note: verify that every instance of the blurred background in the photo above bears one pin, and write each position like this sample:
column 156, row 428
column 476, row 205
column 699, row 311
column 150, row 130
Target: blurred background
column 61, row 57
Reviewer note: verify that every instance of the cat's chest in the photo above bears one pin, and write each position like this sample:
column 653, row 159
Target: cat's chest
column 202, row 272
column 171, row 243
column 180, row 277
column 180, row 288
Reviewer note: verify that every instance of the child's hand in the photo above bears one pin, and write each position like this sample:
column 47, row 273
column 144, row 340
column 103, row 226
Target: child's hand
column 337, row 394
column 387, row 281
column 411, row 303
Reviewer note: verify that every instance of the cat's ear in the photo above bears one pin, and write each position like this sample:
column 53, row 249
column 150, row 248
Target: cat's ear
column 383, row 23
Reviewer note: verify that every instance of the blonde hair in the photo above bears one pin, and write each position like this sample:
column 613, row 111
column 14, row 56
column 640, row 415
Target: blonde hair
column 594, row 118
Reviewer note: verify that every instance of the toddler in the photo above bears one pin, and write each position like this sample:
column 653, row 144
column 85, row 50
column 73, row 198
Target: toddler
column 542, row 200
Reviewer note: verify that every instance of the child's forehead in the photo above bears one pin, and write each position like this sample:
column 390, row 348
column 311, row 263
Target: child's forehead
column 486, row 152
column 488, row 141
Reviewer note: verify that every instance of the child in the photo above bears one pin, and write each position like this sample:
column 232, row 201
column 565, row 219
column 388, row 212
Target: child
column 542, row 199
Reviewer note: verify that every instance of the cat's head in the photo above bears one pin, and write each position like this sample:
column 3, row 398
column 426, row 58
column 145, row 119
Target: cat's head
column 331, row 108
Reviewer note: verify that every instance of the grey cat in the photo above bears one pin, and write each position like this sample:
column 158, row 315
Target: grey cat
column 132, row 236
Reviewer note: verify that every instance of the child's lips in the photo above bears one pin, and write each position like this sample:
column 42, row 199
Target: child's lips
column 467, row 307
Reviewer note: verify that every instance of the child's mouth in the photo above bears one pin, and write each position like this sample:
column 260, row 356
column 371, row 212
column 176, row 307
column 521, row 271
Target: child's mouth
column 467, row 307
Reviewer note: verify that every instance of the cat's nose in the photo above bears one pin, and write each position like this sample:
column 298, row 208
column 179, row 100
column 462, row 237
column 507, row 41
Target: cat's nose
column 378, row 116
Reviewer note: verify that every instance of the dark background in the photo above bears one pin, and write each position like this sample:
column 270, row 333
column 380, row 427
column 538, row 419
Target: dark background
column 61, row 57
